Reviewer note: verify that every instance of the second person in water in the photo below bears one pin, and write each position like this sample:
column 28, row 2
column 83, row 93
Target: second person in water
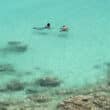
column 64, row 28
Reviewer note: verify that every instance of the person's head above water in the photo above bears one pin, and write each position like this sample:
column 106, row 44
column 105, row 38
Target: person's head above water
column 47, row 26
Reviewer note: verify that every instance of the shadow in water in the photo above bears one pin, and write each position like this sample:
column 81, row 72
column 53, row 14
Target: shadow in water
column 43, row 33
column 63, row 35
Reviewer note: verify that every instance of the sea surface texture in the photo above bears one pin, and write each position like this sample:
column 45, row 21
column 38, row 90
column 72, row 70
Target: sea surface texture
column 49, row 59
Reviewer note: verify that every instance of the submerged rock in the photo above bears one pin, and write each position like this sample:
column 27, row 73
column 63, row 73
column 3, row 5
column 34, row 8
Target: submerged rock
column 4, row 106
column 49, row 81
column 31, row 90
column 107, row 64
column 6, row 68
column 15, row 46
column 39, row 98
column 15, row 85
column 14, row 43
column 64, row 92
column 86, row 102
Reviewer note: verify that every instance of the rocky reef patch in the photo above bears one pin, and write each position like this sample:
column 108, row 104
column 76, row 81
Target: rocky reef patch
column 48, row 81
column 86, row 102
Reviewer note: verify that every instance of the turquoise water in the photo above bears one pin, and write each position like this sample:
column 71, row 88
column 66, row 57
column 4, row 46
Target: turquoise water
column 71, row 55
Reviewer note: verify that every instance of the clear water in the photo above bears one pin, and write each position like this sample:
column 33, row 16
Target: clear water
column 71, row 55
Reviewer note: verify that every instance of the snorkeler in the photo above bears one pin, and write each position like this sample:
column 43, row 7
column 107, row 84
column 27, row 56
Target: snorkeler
column 64, row 28
column 48, row 26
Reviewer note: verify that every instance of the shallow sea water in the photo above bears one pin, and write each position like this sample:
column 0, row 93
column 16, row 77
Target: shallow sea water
column 71, row 56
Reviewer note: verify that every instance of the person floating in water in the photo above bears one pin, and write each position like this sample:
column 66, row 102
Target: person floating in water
column 64, row 28
column 48, row 26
